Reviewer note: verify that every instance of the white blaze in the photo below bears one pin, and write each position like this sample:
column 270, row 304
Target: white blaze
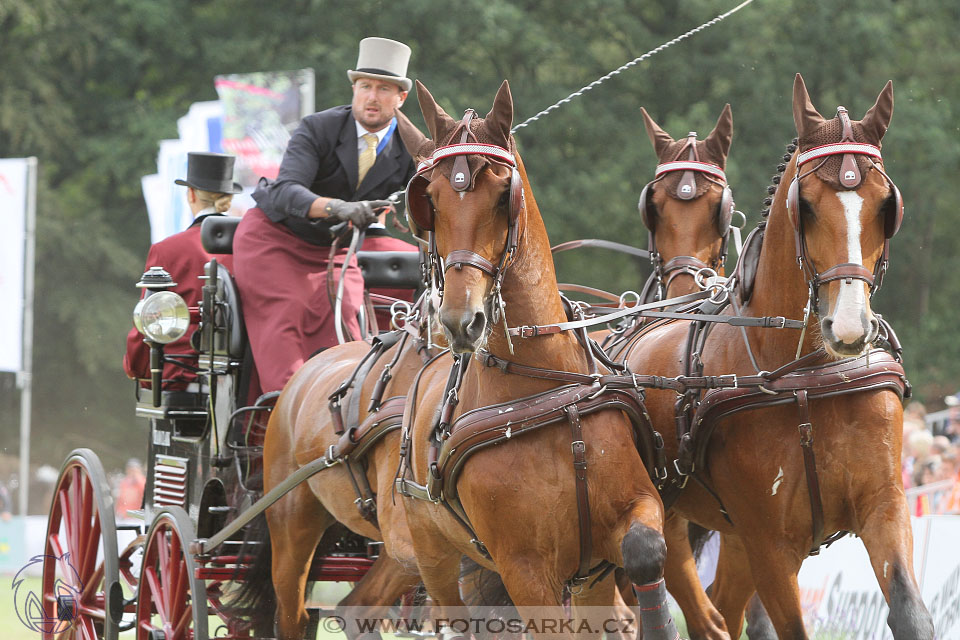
column 847, row 325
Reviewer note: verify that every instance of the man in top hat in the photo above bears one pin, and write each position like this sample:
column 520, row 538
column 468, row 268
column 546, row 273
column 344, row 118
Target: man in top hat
column 210, row 190
column 339, row 166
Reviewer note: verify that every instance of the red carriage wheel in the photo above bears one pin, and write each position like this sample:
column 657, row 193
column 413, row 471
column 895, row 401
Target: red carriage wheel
column 80, row 575
column 168, row 605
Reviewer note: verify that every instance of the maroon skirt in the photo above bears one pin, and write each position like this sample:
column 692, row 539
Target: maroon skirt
column 283, row 290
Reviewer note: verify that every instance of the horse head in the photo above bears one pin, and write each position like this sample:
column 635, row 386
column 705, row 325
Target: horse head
column 688, row 206
column 844, row 209
column 468, row 194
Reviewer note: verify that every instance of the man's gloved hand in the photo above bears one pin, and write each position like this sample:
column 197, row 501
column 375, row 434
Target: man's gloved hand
column 360, row 213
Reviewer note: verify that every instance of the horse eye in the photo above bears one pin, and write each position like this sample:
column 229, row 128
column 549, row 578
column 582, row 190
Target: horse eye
column 806, row 211
column 504, row 199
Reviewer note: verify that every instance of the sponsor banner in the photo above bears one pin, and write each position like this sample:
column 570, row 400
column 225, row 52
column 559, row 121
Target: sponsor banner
column 260, row 111
column 13, row 216
column 841, row 597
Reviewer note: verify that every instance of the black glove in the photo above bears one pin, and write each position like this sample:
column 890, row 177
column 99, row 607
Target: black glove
column 360, row 213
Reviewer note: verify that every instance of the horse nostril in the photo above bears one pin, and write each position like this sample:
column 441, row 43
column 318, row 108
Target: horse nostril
column 874, row 330
column 826, row 327
column 475, row 328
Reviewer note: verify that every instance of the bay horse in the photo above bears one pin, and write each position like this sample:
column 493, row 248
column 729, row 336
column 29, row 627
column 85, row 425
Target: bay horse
column 687, row 210
column 782, row 460
column 578, row 493
column 344, row 405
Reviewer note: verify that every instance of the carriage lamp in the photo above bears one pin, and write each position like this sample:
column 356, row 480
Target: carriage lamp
column 161, row 315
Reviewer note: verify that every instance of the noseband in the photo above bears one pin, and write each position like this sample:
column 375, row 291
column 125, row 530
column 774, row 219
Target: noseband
column 850, row 178
column 664, row 273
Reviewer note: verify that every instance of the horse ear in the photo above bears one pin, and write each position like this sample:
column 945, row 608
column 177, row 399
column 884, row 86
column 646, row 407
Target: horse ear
column 660, row 138
column 417, row 144
column 718, row 142
column 877, row 119
column 805, row 116
column 433, row 115
column 500, row 119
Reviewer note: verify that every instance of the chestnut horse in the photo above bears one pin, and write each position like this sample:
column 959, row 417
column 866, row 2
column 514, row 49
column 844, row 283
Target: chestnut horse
column 774, row 494
column 521, row 505
column 304, row 426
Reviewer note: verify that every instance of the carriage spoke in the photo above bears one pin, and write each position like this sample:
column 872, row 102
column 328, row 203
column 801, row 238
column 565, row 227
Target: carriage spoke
column 155, row 592
column 183, row 623
column 90, row 551
column 65, row 518
column 177, row 577
column 88, row 520
column 90, row 587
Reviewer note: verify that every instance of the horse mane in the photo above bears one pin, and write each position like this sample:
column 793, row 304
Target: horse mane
column 775, row 180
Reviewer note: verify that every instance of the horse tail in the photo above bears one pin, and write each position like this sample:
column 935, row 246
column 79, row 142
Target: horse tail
column 481, row 587
column 255, row 599
column 698, row 537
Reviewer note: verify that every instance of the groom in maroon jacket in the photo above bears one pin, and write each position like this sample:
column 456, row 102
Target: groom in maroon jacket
column 340, row 165
column 210, row 189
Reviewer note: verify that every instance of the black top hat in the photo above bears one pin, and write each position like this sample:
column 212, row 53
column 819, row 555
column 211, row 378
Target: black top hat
column 210, row 172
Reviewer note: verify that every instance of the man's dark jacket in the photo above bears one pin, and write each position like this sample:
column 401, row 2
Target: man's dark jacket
column 321, row 160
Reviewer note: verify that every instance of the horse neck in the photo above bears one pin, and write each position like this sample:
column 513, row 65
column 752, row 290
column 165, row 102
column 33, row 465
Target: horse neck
column 780, row 288
column 531, row 297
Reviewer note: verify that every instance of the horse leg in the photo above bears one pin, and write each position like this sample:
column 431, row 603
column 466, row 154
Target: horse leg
column 733, row 589
column 643, row 553
column 774, row 568
column 703, row 620
column 297, row 523
column 888, row 538
column 384, row 583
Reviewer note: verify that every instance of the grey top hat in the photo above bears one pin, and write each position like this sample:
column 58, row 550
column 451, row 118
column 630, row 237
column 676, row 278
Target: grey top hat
column 383, row 59
column 210, row 172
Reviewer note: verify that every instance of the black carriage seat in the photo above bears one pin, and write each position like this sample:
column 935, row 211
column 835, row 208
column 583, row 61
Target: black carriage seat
column 390, row 269
column 381, row 269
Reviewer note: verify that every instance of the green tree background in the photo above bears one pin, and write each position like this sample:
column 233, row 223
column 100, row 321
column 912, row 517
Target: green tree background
column 90, row 87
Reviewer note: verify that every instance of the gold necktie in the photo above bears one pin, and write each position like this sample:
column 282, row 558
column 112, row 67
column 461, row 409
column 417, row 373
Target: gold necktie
column 367, row 156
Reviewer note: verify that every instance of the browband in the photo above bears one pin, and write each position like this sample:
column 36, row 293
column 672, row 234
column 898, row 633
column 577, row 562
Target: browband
column 690, row 165
column 468, row 148
column 837, row 148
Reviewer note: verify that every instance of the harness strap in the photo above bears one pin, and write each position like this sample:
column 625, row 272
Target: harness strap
column 810, row 468
column 385, row 376
column 847, row 271
column 460, row 257
column 579, row 449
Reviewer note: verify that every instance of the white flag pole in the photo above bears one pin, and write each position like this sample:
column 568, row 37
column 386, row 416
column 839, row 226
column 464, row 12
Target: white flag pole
column 25, row 381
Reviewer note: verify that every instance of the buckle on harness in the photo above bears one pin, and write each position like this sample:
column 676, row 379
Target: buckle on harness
column 683, row 474
column 529, row 331
column 736, row 384
column 330, row 458
column 578, row 446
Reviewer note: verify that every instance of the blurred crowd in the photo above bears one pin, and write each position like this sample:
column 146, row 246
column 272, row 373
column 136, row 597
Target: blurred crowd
column 931, row 459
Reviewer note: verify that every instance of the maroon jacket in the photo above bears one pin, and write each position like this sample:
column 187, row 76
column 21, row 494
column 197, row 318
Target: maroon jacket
column 380, row 240
column 183, row 257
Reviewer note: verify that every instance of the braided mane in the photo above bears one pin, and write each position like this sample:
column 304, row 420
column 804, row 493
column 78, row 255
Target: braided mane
column 772, row 189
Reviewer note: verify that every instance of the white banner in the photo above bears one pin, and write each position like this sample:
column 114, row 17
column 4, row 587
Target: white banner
column 13, row 215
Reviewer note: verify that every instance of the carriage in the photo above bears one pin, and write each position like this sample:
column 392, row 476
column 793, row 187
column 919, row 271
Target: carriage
column 203, row 472
column 205, row 451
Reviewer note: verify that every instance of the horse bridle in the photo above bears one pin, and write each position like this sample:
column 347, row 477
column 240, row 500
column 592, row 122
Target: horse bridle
column 850, row 177
column 422, row 211
column 664, row 273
